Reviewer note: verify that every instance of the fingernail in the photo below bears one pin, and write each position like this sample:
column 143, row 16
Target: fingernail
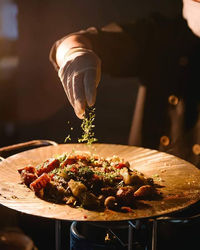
column 91, row 100
column 79, row 115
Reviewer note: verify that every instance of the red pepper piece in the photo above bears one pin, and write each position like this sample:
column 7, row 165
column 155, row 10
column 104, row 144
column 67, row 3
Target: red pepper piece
column 73, row 169
column 81, row 157
column 126, row 209
column 28, row 178
column 40, row 182
column 28, row 169
column 51, row 176
column 28, row 174
column 95, row 177
column 69, row 161
column 48, row 167
column 121, row 165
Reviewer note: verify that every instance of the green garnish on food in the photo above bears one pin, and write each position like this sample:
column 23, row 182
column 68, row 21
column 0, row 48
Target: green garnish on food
column 88, row 181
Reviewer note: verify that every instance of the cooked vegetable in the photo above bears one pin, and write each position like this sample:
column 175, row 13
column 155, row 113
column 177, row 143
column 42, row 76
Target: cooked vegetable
column 89, row 200
column 144, row 191
column 110, row 201
column 89, row 181
column 77, row 188
column 40, row 182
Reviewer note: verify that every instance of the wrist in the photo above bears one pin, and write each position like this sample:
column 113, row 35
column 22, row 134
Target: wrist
column 69, row 44
column 72, row 52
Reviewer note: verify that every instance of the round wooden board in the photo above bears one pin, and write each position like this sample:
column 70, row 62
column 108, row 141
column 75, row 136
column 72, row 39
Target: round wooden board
column 180, row 181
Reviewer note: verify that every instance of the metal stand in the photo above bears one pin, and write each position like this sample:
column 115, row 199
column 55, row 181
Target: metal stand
column 57, row 234
column 130, row 236
column 131, row 228
column 154, row 235
column 135, row 226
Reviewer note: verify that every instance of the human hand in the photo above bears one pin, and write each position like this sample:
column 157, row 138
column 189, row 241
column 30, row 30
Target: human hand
column 80, row 74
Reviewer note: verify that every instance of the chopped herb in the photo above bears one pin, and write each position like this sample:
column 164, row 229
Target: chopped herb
column 62, row 157
column 155, row 175
column 85, row 171
column 120, row 184
column 55, row 171
column 68, row 138
column 87, row 127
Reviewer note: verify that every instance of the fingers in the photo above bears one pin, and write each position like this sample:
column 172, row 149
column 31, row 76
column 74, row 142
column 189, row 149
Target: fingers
column 67, row 84
column 98, row 72
column 70, row 91
column 89, row 80
column 79, row 95
column 73, row 86
column 80, row 76
column 80, row 89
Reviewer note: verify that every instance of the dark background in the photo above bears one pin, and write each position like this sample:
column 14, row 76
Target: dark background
column 33, row 104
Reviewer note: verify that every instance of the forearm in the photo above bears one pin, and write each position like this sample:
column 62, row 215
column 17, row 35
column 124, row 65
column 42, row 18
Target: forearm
column 127, row 51
column 117, row 50
column 63, row 45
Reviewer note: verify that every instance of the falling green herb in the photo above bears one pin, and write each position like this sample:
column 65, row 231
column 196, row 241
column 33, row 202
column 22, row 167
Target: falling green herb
column 87, row 127
column 68, row 138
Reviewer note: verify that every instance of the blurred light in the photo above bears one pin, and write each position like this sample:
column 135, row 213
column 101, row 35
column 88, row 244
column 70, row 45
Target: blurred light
column 8, row 19
column 7, row 66
column 8, row 62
